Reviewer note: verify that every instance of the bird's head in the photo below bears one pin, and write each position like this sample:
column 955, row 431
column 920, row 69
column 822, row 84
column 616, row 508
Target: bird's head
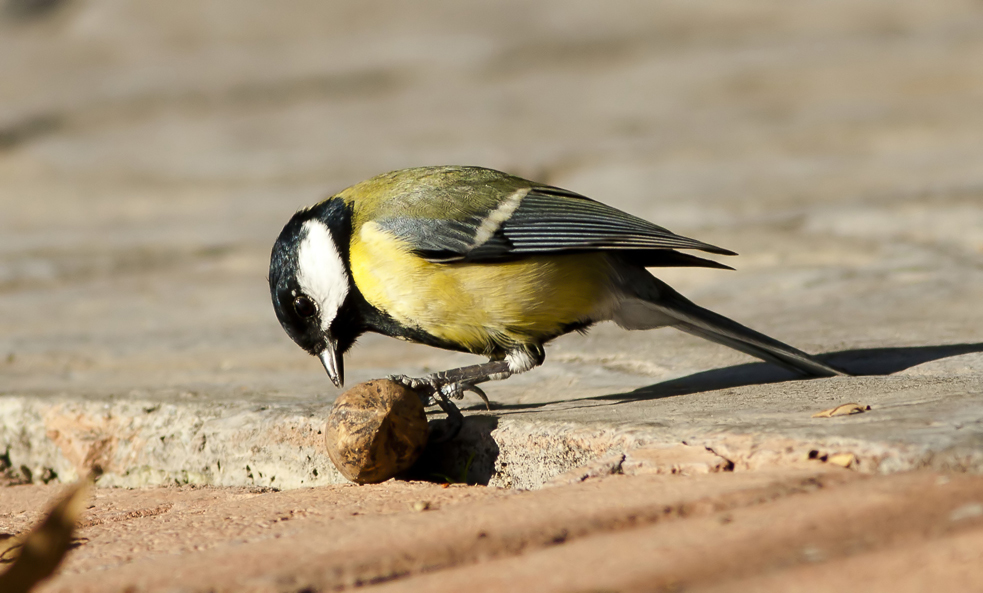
column 311, row 287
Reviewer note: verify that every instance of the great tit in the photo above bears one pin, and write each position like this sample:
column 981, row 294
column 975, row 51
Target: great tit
column 476, row 260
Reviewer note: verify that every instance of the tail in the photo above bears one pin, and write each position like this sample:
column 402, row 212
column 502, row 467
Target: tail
column 668, row 307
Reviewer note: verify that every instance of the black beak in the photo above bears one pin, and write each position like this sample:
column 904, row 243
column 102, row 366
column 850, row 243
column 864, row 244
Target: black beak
column 334, row 363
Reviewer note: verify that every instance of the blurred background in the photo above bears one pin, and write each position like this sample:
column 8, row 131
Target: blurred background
column 151, row 151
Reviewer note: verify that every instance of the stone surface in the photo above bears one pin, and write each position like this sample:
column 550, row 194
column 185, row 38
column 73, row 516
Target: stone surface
column 150, row 153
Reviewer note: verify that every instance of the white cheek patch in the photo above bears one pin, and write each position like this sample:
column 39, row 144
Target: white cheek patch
column 320, row 271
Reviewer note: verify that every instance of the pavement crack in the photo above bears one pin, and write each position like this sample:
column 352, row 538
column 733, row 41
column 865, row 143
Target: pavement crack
column 730, row 462
column 127, row 516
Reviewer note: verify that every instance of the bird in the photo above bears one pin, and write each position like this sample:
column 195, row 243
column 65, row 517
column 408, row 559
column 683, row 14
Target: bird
column 475, row 260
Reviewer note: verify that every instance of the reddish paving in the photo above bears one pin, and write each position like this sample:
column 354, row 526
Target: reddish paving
column 806, row 528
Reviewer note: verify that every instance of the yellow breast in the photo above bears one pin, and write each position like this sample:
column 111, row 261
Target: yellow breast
column 483, row 307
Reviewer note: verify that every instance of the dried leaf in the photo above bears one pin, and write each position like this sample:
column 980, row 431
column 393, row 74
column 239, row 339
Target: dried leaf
column 842, row 410
column 842, row 459
column 36, row 555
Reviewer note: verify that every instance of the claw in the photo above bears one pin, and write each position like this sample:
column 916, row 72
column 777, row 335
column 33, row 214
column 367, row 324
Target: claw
column 477, row 391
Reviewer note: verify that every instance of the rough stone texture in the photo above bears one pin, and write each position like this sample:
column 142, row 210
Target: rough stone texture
column 151, row 443
column 150, row 152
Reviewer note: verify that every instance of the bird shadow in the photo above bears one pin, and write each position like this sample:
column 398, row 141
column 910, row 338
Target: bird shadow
column 471, row 457
column 860, row 362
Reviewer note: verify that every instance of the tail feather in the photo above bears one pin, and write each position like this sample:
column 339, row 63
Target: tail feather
column 782, row 354
column 661, row 305
column 706, row 324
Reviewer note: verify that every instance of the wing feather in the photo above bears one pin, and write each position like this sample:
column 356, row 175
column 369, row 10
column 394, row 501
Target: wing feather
column 547, row 220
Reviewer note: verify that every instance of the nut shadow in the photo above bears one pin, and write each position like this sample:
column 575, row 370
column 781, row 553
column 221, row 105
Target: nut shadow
column 468, row 458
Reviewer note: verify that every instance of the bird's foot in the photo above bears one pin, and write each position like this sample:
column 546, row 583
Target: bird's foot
column 440, row 388
column 425, row 387
column 433, row 392
column 437, row 389
column 434, row 389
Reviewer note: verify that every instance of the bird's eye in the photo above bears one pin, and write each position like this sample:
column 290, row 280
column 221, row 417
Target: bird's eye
column 304, row 307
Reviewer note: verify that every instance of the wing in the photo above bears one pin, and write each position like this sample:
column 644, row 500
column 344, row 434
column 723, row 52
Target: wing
column 525, row 219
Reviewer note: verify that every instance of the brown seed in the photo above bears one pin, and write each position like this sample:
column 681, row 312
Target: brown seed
column 375, row 430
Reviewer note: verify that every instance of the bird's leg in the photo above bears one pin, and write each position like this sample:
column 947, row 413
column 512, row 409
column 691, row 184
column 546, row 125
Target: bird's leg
column 443, row 431
column 441, row 387
column 451, row 384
